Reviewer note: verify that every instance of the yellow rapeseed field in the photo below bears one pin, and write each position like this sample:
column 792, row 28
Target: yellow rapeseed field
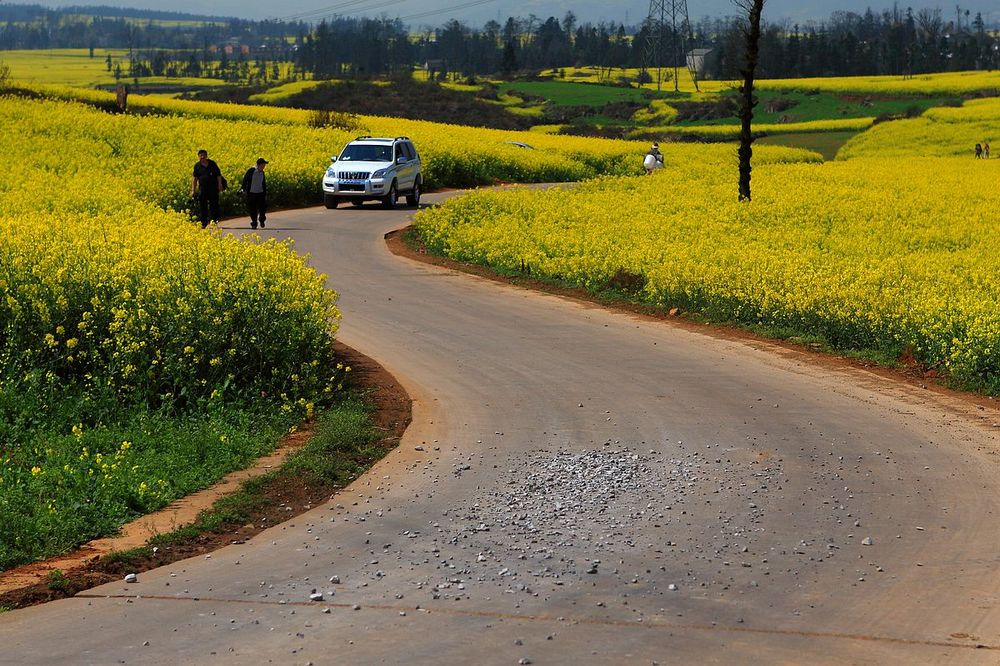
column 174, row 354
column 453, row 155
column 100, row 282
column 939, row 132
column 948, row 83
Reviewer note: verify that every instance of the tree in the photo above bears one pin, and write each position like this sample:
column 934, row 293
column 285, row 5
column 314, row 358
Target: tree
column 751, row 37
column 508, row 63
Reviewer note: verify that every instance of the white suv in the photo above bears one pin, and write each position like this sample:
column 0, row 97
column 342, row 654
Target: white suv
column 374, row 168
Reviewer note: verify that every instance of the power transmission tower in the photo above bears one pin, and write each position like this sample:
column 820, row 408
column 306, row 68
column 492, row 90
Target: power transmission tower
column 669, row 32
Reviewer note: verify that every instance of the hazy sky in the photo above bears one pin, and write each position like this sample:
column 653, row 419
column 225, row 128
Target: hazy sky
column 477, row 12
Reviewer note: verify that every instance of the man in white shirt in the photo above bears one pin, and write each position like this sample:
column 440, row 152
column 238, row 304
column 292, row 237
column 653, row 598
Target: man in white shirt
column 255, row 189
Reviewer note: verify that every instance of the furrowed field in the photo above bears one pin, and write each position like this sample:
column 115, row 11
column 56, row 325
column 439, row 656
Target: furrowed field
column 885, row 257
column 141, row 358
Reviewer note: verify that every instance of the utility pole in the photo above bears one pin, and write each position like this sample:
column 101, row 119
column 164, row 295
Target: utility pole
column 672, row 15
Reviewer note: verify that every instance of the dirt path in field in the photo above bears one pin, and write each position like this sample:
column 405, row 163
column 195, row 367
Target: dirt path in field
column 587, row 486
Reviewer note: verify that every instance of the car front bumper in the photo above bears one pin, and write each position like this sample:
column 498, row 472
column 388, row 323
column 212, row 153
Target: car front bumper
column 354, row 188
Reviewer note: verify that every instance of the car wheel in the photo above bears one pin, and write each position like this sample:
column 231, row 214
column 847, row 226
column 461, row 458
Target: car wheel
column 330, row 202
column 389, row 200
column 413, row 198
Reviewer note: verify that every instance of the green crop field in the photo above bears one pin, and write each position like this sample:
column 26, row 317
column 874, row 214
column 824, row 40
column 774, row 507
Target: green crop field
column 825, row 143
column 569, row 93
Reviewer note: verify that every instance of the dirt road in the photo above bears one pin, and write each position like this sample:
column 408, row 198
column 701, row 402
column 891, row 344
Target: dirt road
column 585, row 487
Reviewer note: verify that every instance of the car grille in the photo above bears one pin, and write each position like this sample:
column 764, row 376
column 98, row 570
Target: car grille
column 353, row 175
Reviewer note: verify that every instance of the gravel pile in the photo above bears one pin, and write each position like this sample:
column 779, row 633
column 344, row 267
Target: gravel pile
column 594, row 496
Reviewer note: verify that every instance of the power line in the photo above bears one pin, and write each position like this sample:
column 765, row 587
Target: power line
column 334, row 9
column 353, row 7
column 446, row 9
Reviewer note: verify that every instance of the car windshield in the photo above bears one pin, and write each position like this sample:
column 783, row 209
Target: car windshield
column 359, row 152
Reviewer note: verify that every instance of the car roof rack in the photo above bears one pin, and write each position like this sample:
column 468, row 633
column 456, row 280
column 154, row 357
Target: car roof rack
column 362, row 137
column 402, row 138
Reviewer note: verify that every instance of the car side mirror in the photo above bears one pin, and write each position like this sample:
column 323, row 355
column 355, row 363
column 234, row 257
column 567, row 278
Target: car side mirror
column 333, row 159
column 400, row 160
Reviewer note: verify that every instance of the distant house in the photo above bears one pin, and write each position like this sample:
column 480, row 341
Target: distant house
column 696, row 59
column 435, row 67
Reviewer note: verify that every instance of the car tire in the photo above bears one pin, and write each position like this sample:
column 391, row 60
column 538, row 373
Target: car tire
column 330, row 202
column 413, row 198
column 389, row 200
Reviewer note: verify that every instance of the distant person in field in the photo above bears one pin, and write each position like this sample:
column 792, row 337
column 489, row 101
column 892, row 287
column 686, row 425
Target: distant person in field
column 255, row 189
column 979, row 151
column 653, row 159
column 986, row 150
column 206, row 183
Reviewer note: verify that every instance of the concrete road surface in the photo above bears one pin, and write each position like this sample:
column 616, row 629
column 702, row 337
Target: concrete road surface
column 586, row 487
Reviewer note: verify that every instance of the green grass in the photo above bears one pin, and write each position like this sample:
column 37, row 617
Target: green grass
column 57, row 581
column 61, row 486
column 825, row 143
column 343, row 445
column 828, row 106
column 568, row 93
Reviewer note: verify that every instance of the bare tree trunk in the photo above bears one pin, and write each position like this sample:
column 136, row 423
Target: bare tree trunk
column 751, row 33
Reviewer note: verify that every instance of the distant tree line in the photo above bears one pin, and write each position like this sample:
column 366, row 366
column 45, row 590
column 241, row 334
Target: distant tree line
column 347, row 46
column 896, row 42
column 893, row 42
column 36, row 27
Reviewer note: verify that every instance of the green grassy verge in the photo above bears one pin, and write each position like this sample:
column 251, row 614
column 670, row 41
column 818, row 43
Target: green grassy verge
column 344, row 443
column 62, row 485
column 825, row 143
column 568, row 93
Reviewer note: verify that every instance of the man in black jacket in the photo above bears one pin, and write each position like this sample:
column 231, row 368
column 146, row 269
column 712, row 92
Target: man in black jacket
column 255, row 189
column 207, row 182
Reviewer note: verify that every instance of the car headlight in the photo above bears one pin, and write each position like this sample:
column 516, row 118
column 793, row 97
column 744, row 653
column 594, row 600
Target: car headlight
column 379, row 174
column 331, row 172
